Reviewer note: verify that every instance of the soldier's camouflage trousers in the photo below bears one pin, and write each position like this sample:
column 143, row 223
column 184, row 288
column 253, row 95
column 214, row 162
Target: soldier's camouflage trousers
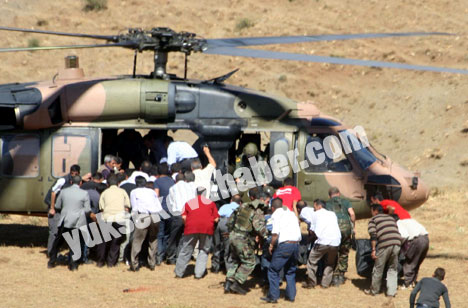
column 242, row 257
column 343, row 252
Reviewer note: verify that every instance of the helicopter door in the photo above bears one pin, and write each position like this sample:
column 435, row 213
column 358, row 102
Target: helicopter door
column 73, row 145
column 20, row 172
column 317, row 176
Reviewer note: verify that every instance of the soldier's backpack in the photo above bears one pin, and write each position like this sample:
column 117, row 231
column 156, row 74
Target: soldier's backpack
column 341, row 213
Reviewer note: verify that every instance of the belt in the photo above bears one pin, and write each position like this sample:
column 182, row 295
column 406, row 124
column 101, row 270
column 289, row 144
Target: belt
column 290, row 242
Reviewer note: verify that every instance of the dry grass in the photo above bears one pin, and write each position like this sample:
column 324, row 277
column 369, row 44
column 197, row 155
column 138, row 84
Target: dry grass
column 28, row 282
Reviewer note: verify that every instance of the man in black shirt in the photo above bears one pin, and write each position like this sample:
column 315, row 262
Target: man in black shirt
column 431, row 290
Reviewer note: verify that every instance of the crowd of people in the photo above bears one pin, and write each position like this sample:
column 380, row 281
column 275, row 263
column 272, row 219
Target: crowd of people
column 262, row 228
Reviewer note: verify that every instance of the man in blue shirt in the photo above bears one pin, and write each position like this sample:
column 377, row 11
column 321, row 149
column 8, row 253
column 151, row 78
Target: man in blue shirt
column 221, row 235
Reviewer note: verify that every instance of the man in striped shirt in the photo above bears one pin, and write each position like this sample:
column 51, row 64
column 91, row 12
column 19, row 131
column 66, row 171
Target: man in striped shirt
column 386, row 242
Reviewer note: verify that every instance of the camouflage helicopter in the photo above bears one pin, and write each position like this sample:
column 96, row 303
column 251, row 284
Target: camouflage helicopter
column 48, row 126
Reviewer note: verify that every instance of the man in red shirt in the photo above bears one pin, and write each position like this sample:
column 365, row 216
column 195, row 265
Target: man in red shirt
column 390, row 206
column 200, row 215
column 289, row 194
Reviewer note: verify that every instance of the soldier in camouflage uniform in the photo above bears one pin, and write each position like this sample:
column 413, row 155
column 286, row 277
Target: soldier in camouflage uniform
column 346, row 217
column 246, row 223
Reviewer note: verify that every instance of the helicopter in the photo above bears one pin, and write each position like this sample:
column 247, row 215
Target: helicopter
column 46, row 127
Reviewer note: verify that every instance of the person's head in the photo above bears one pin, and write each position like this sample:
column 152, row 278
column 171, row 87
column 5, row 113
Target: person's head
column 376, row 208
column 300, row 205
column 276, row 203
column 175, row 168
column 112, row 179
column 263, row 196
column 154, row 171
column 140, row 181
column 269, row 191
column 179, row 177
column 163, row 169
column 146, row 167
column 75, row 170
column 250, row 150
column 196, row 164
column 288, row 181
column 97, row 177
column 254, row 193
column 109, row 161
column 121, row 177
column 439, row 273
column 237, row 199
column 377, row 197
column 189, row 176
column 118, row 162
column 128, row 172
column 76, row 179
column 318, row 204
column 101, row 187
column 333, row 192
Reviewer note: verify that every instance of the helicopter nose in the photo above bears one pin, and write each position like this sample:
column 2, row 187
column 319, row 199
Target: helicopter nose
column 416, row 194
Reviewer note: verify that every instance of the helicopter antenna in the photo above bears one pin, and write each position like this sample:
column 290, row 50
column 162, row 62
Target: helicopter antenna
column 221, row 79
column 135, row 63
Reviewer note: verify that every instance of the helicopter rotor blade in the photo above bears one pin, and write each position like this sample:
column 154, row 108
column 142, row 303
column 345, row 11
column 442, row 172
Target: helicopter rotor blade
column 13, row 49
column 257, row 41
column 265, row 54
column 113, row 38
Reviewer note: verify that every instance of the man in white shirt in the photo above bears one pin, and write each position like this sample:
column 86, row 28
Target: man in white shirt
column 145, row 211
column 181, row 192
column 203, row 176
column 287, row 234
column 180, row 152
column 324, row 224
column 414, row 248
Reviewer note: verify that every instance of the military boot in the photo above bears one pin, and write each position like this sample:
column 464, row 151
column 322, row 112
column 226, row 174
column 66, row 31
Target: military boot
column 227, row 286
column 235, row 287
column 338, row 280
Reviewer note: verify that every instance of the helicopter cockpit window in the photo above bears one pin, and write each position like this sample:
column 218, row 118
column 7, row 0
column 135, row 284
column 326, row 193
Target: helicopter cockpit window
column 328, row 164
column 68, row 150
column 362, row 155
column 20, row 155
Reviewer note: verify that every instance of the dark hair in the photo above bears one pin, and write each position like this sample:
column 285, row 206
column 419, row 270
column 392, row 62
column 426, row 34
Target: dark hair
column 154, row 170
column 276, row 203
column 168, row 139
column 377, row 207
column 76, row 179
column 112, row 179
column 97, row 176
column 140, row 181
column 118, row 160
column 320, row 202
column 200, row 190
column 333, row 191
column 163, row 169
column 395, row 216
column 288, row 181
column 176, row 167
column 189, row 176
column 120, row 177
column 146, row 167
column 75, row 168
column 378, row 196
column 101, row 187
column 254, row 193
column 179, row 177
column 439, row 273
column 237, row 199
column 128, row 172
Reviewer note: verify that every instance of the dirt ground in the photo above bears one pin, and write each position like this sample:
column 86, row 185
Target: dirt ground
column 419, row 119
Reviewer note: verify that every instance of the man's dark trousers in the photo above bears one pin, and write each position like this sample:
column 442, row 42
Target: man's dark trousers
column 284, row 256
column 56, row 247
column 176, row 230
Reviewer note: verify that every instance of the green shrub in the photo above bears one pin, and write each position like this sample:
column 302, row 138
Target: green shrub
column 95, row 5
column 34, row 42
column 244, row 23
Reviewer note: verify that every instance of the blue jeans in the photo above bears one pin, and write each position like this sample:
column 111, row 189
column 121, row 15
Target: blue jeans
column 284, row 256
column 163, row 236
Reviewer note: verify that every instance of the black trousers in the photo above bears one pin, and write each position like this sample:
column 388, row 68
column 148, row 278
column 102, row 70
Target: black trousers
column 176, row 228
column 109, row 251
column 57, row 243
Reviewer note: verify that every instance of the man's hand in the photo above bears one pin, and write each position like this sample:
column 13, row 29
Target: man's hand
column 206, row 149
column 51, row 211
column 93, row 217
column 86, row 177
column 373, row 255
column 270, row 249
